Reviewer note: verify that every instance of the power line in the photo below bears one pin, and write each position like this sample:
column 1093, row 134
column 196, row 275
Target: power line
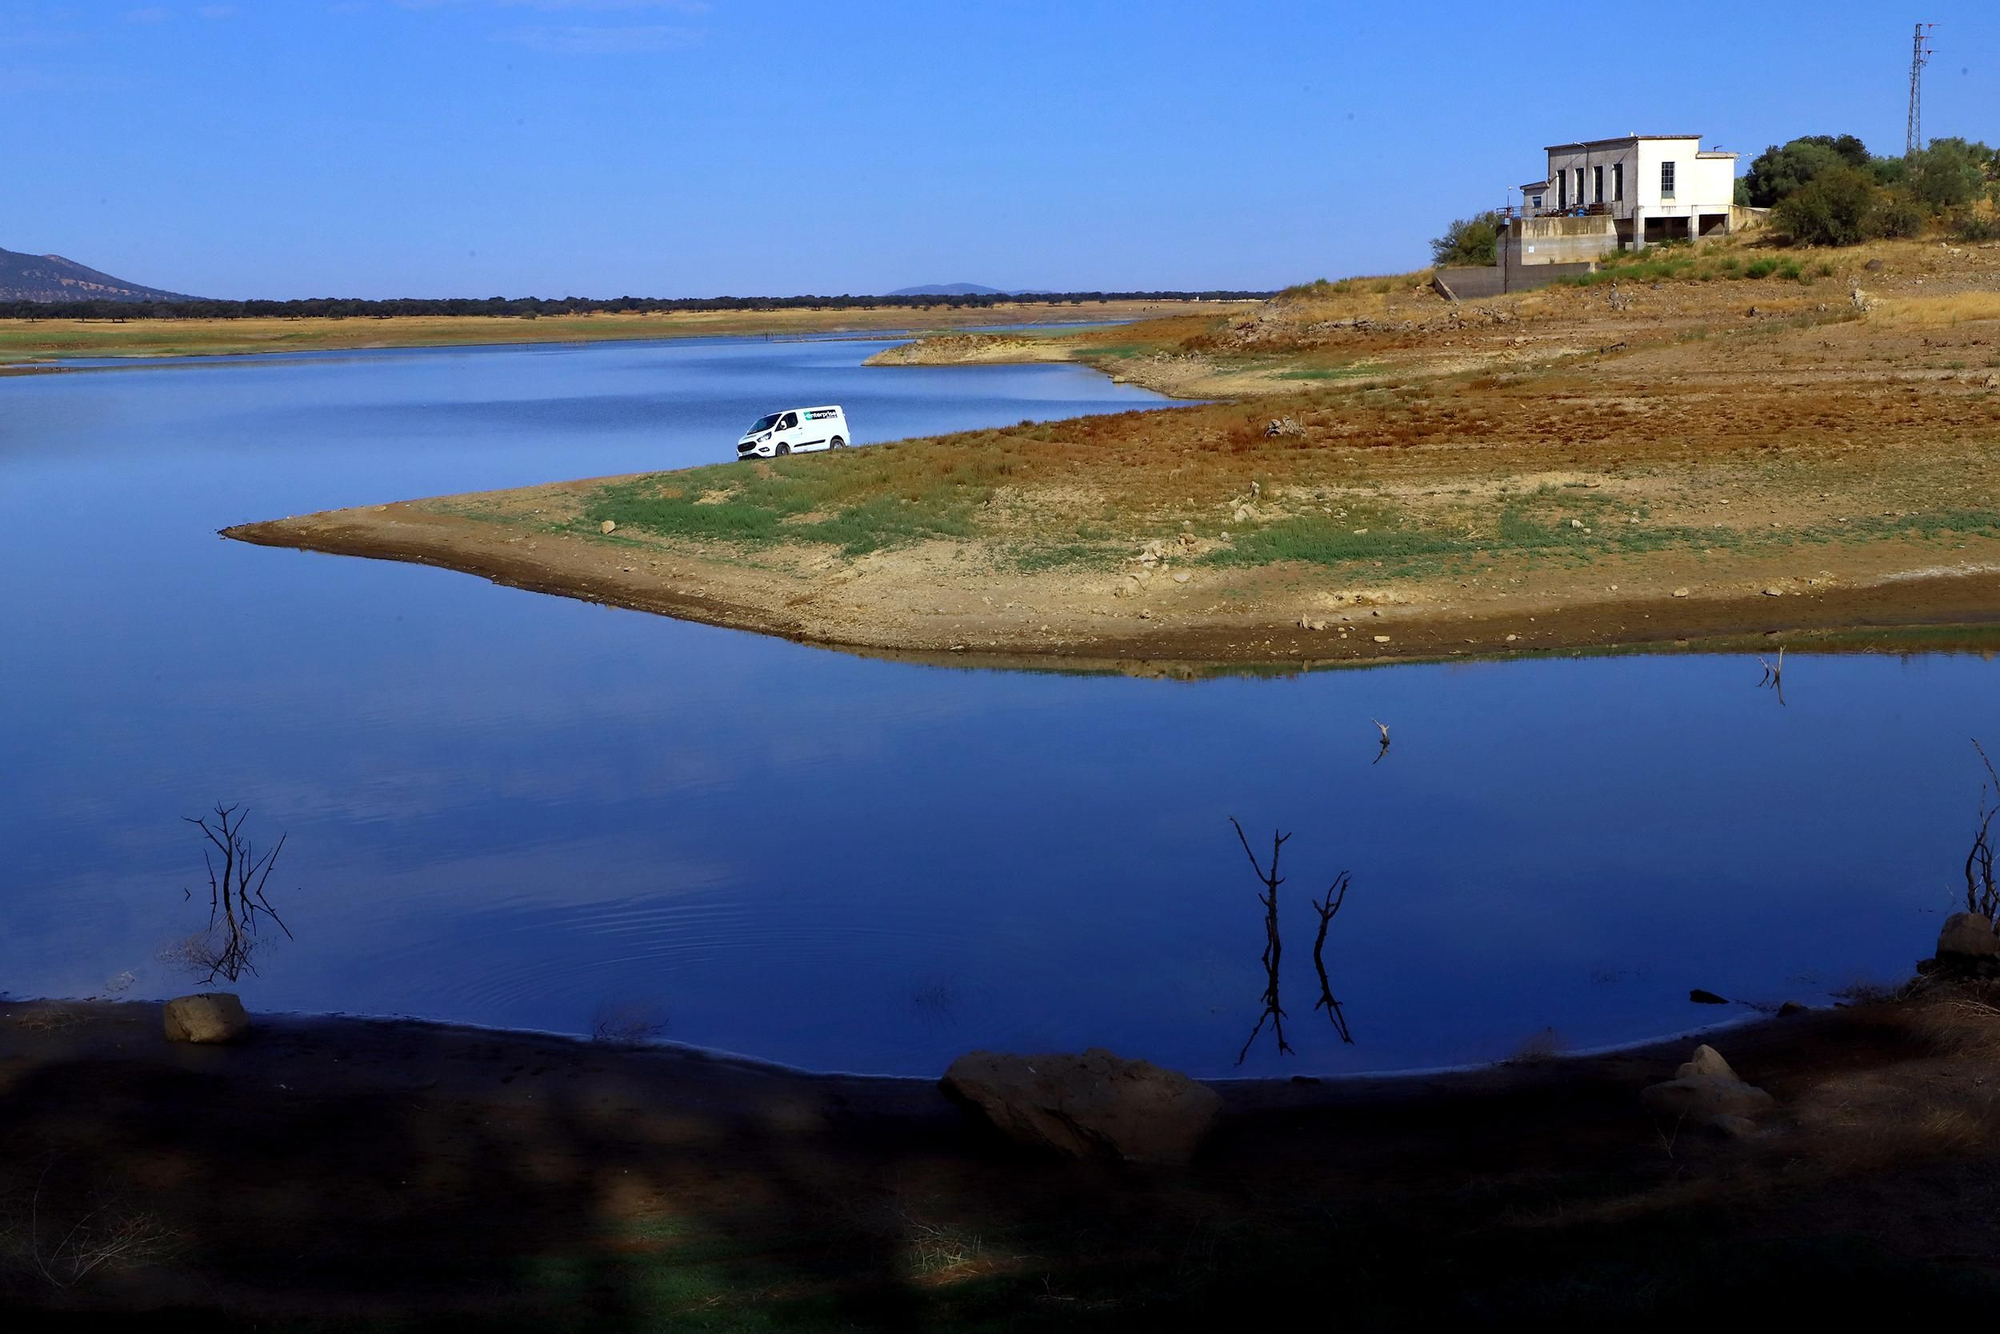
column 1920, row 55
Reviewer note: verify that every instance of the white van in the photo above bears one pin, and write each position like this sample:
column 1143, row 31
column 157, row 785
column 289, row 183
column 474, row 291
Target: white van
column 794, row 431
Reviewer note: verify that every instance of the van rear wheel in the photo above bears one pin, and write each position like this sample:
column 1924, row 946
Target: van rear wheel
column 836, row 443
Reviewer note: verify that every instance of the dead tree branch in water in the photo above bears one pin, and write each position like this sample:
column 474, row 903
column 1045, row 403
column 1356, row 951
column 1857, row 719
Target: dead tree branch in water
column 1774, row 675
column 1383, row 728
column 1274, row 946
column 1981, row 894
column 235, row 896
column 1327, row 908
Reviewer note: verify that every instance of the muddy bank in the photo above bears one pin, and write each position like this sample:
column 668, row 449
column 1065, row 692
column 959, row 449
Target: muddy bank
column 1062, row 624
column 346, row 1170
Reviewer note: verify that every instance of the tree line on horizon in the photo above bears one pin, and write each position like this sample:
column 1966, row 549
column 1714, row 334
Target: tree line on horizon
column 534, row 307
column 1827, row 190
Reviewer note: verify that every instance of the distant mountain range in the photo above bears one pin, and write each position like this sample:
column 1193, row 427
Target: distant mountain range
column 53, row 278
column 964, row 289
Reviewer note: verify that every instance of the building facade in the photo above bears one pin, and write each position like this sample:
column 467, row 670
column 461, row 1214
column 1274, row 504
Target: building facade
column 1610, row 194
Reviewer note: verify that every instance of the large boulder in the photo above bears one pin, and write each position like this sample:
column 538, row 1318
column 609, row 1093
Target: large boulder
column 1096, row 1105
column 211, row 1016
column 1705, row 1061
column 1968, row 936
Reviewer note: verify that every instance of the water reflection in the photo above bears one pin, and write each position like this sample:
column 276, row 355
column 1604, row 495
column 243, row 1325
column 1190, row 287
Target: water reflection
column 237, row 878
column 1327, row 908
column 1774, row 676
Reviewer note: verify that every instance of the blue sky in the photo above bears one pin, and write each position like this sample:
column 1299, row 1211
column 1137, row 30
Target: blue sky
column 697, row 147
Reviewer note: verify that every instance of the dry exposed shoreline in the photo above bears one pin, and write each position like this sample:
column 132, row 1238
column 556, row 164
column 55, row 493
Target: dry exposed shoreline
column 1387, row 476
column 771, row 602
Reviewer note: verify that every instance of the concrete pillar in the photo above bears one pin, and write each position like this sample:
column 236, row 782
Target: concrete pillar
column 1638, row 228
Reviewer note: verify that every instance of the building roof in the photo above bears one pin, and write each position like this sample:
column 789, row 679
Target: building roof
column 1621, row 139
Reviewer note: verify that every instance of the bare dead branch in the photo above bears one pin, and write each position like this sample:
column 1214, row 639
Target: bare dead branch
column 1327, row 908
column 236, row 897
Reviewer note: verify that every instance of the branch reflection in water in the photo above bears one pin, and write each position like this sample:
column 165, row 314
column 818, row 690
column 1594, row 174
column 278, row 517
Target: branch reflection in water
column 236, row 900
column 1273, row 1012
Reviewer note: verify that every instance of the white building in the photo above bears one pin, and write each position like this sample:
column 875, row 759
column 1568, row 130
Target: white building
column 1610, row 194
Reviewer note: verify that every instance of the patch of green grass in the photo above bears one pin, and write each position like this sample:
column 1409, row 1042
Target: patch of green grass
column 859, row 501
column 1114, row 350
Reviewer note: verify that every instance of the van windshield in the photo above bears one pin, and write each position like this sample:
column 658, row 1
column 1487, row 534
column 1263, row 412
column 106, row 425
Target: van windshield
column 762, row 424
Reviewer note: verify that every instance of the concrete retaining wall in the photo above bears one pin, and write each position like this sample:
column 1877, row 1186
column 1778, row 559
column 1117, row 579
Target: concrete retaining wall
column 1479, row 284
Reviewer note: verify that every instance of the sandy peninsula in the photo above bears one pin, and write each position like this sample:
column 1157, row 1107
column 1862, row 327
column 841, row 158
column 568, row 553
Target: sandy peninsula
column 1677, row 452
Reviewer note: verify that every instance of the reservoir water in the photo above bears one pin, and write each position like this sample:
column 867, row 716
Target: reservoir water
column 511, row 809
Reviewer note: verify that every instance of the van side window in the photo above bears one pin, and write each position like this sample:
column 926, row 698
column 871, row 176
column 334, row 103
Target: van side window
column 791, row 420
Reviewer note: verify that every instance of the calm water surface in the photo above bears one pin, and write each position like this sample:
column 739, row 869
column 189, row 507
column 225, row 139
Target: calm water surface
column 512, row 809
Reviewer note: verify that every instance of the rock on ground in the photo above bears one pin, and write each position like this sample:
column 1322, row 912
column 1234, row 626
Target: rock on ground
column 1089, row 1106
column 1968, row 935
column 211, row 1016
column 1706, row 1092
column 1705, row 1061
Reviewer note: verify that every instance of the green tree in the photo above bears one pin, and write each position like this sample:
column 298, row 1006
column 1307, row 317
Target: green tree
column 1779, row 171
column 1833, row 208
column 1469, row 242
column 1949, row 173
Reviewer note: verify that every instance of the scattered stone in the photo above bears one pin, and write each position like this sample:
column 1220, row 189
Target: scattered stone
column 1576, row 523
column 608, row 526
column 1512, row 638
column 1968, row 936
column 1680, row 592
column 1381, row 639
column 210, row 1016
column 1311, row 623
column 1774, row 592
column 1700, row 997
column 1089, row 1106
column 1283, row 426
column 1873, row 266
column 1181, row 577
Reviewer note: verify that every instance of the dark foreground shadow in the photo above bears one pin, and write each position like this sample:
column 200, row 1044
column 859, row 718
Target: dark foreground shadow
column 347, row 1175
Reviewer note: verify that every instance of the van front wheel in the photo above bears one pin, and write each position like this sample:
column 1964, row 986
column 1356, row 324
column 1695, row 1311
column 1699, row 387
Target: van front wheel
column 784, row 450
column 836, row 443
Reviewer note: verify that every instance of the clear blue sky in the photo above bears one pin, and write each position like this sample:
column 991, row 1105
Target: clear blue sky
column 668, row 147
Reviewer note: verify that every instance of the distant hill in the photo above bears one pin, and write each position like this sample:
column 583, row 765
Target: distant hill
column 53, row 278
column 953, row 289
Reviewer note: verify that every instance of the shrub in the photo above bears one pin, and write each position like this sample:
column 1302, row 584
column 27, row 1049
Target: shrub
column 1896, row 214
column 1761, row 268
column 1948, row 173
column 1972, row 225
column 1791, row 272
column 1473, row 242
column 1832, row 209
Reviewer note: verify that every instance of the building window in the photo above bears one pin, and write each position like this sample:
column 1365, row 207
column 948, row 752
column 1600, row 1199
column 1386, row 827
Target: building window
column 1666, row 180
column 1618, row 182
column 1579, row 187
column 1562, row 192
column 1597, row 185
column 1535, row 202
